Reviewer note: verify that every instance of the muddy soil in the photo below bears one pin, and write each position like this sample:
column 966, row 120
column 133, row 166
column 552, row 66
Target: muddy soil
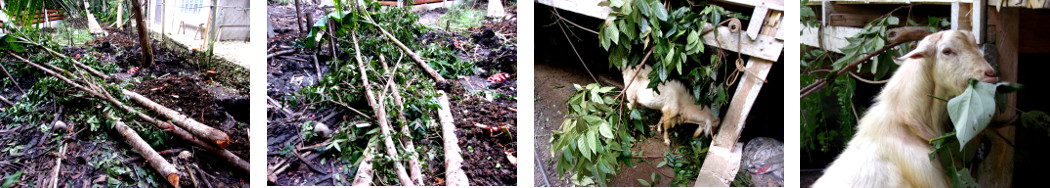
column 98, row 159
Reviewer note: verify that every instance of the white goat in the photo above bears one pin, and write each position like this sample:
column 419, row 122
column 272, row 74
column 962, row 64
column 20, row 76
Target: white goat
column 891, row 146
column 674, row 102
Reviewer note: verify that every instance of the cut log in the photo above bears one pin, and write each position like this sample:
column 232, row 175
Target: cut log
column 143, row 148
column 454, row 175
column 93, row 26
column 364, row 170
column 381, row 116
column 211, row 134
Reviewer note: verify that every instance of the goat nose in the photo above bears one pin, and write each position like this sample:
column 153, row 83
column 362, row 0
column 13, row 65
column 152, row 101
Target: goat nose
column 989, row 73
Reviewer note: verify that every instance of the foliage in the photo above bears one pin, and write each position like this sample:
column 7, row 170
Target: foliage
column 828, row 125
column 807, row 16
column 686, row 161
column 675, row 40
column 445, row 61
column 972, row 110
column 461, row 17
column 12, row 179
column 594, row 141
column 7, row 42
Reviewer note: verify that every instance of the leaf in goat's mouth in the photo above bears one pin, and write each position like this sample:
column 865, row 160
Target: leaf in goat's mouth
column 972, row 110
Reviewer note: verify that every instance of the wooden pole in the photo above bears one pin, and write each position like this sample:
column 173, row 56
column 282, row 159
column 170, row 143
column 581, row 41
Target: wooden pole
column 144, row 41
column 454, row 175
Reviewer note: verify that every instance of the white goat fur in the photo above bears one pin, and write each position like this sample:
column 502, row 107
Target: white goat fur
column 891, row 146
column 674, row 102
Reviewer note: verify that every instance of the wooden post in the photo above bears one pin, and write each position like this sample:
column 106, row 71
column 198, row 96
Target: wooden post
column 212, row 27
column 723, row 159
column 997, row 170
column 144, row 41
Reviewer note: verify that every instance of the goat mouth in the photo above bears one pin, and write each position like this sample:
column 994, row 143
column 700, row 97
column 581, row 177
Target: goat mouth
column 990, row 79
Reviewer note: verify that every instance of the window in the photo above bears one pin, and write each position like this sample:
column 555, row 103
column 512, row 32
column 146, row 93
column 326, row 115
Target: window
column 191, row 6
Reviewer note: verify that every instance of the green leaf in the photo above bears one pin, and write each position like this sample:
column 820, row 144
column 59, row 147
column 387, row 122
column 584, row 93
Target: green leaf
column 11, row 179
column 606, row 130
column 644, row 183
column 972, row 110
column 643, row 7
column 592, row 141
column 616, row 3
column 893, row 20
column 612, row 32
column 658, row 10
column 585, row 150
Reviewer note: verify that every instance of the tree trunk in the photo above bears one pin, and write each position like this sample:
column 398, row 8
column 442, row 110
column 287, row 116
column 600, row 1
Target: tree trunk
column 299, row 15
column 381, row 117
column 454, row 175
column 140, row 146
column 144, row 41
column 213, row 135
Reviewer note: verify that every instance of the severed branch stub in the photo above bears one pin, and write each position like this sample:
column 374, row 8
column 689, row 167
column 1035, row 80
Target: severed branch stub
column 214, row 136
column 140, row 146
column 454, row 175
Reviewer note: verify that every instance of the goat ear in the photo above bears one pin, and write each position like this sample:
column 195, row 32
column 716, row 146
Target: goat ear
column 928, row 46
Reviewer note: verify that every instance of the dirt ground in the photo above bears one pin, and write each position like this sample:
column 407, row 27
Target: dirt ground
column 485, row 152
column 93, row 159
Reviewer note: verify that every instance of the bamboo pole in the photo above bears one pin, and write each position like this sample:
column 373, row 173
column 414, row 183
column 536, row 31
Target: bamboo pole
column 381, row 116
column 140, row 146
column 454, row 175
column 213, row 135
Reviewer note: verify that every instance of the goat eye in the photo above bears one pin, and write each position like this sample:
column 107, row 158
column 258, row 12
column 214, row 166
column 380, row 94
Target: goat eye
column 947, row 52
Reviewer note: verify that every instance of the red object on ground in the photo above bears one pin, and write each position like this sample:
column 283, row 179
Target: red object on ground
column 498, row 77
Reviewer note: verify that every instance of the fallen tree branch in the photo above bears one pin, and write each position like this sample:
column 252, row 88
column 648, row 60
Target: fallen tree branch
column 454, row 175
column 140, row 146
column 381, row 116
column 364, row 170
column 58, row 165
column 9, row 103
column 174, row 130
column 415, row 169
column 280, row 53
column 63, row 56
column 213, row 135
column 8, row 74
column 415, row 57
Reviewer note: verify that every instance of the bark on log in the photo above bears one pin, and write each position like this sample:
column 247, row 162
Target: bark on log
column 175, row 130
column 381, row 116
column 415, row 169
column 211, row 134
column 454, row 175
column 415, row 57
column 143, row 148
column 364, row 171
column 9, row 103
column 147, row 51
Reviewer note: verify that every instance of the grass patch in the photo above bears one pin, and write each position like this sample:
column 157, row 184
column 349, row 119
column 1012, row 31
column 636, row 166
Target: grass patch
column 461, row 18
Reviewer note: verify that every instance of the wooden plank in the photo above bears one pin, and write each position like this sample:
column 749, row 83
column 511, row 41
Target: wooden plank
column 977, row 25
column 714, row 172
column 997, row 169
column 833, row 38
column 961, row 16
column 766, row 47
column 851, row 19
column 771, row 4
column 758, row 18
column 585, row 7
column 721, row 160
column 1032, row 4
column 1033, row 39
